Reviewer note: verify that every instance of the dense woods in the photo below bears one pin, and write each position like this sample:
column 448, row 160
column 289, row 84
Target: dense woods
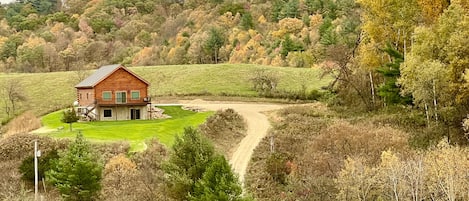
column 50, row 35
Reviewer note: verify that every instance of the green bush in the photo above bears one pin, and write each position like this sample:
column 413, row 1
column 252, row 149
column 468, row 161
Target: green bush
column 44, row 164
column 277, row 168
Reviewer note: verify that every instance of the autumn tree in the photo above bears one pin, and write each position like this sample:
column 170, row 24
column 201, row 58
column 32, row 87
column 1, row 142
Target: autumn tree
column 119, row 179
column 434, row 69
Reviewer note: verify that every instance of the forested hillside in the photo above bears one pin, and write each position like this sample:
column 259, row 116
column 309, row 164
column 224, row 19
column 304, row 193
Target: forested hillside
column 50, row 35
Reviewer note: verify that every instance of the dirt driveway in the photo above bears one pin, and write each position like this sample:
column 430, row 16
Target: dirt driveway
column 257, row 124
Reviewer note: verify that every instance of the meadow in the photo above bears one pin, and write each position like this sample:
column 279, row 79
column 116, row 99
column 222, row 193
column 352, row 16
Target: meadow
column 48, row 92
column 136, row 132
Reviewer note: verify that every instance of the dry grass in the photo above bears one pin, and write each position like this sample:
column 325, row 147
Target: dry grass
column 315, row 142
column 24, row 123
column 226, row 128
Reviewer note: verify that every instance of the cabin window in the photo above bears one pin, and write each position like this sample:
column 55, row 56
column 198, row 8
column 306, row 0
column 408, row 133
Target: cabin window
column 107, row 95
column 121, row 97
column 135, row 95
column 107, row 113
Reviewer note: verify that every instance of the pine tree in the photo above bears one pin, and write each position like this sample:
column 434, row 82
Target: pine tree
column 77, row 173
column 214, row 42
column 70, row 116
column 390, row 91
column 217, row 183
column 191, row 155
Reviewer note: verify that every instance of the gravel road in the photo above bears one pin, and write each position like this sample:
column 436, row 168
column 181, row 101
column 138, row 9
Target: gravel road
column 257, row 123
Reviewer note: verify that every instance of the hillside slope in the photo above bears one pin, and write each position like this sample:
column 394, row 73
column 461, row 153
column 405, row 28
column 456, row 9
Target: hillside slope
column 46, row 92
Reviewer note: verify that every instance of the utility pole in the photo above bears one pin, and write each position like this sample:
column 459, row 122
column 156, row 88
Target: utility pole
column 37, row 153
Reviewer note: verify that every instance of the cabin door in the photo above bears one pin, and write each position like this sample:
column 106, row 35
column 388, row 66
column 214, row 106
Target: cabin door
column 134, row 114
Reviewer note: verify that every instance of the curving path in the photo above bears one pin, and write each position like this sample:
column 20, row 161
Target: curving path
column 257, row 123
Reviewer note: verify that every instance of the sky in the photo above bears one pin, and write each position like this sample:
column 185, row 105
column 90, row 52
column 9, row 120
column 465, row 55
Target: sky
column 6, row 1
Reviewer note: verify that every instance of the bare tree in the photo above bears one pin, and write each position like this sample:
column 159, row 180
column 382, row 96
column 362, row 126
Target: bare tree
column 12, row 94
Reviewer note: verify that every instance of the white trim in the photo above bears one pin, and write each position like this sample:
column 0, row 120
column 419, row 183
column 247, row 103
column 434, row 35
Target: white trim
column 131, row 95
column 110, row 97
column 125, row 100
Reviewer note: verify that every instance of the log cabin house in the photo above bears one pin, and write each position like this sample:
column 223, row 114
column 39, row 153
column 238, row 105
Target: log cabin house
column 113, row 92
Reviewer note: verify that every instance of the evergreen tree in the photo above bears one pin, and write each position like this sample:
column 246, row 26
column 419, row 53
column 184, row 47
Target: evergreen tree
column 246, row 21
column 215, row 41
column 390, row 91
column 191, row 155
column 77, row 173
column 217, row 183
column 288, row 45
column 290, row 9
column 69, row 117
column 45, row 163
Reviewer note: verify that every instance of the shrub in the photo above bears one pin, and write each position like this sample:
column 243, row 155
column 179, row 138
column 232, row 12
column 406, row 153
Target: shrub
column 264, row 82
column 276, row 166
column 20, row 146
column 225, row 128
column 149, row 184
column 45, row 162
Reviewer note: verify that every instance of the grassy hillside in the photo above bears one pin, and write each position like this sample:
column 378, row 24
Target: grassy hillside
column 47, row 92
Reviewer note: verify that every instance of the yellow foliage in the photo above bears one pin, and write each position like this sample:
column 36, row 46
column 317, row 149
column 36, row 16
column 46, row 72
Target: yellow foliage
column 278, row 61
column 227, row 19
column 252, row 33
column 2, row 40
column 369, row 56
column 315, row 20
column 292, row 25
column 181, row 40
column 142, row 56
column 431, row 9
column 33, row 41
column 288, row 25
column 119, row 163
column 80, row 42
column 261, row 19
column 57, row 28
column 463, row 3
column 243, row 37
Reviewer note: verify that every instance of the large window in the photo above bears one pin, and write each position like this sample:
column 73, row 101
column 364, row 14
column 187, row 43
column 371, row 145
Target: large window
column 107, row 95
column 107, row 113
column 121, row 97
column 135, row 95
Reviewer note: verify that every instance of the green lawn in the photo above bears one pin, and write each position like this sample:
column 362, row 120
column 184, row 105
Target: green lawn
column 135, row 132
column 47, row 92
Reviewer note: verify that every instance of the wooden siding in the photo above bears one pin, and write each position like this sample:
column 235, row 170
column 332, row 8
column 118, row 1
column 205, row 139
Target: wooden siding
column 121, row 81
column 85, row 97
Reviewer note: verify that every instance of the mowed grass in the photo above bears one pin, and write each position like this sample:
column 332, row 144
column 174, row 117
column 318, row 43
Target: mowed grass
column 47, row 92
column 135, row 132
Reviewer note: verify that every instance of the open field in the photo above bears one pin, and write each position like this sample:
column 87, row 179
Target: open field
column 47, row 92
column 135, row 132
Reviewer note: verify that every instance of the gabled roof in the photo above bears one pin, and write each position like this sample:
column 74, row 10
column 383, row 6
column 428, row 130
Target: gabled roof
column 102, row 73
